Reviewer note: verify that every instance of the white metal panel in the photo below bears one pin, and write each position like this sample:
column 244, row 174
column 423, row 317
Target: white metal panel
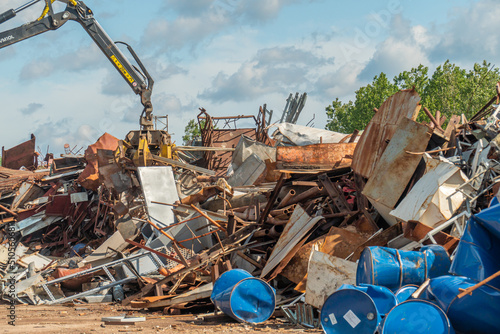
column 158, row 185
column 325, row 274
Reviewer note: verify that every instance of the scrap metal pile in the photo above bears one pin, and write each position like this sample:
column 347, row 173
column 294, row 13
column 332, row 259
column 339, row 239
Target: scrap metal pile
column 321, row 228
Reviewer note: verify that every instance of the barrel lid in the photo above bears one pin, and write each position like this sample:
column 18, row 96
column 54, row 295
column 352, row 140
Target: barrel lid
column 416, row 316
column 253, row 300
column 349, row 311
column 405, row 292
column 364, row 271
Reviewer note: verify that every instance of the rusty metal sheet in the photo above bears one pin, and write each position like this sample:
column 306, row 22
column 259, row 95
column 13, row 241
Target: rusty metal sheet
column 396, row 167
column 20, row 155
column 338, row 242
column 11, row 177
column 227, row 135
column 380, row 239
column 317, row 156
column 417, row 231
column 59, row 205
column 220, row 160
column 326, row 273
column 373, row 141
column 89, row 178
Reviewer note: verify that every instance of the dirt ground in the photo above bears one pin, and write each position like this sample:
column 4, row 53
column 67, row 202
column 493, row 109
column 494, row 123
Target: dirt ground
column 87, row 319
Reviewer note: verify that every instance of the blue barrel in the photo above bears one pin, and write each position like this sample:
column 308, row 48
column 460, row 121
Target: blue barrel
column 405, row 292
column 349, row 311
column 244, row 298
column 438, row 260
column 394, row 268
column 477, row 253
column 383, row 298
column 476, row 313
column 416, row 317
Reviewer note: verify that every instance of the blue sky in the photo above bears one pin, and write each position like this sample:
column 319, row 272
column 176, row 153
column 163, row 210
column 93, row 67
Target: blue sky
column 228, row 56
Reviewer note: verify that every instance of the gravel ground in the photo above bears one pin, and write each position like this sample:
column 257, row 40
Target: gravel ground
column 87, row 319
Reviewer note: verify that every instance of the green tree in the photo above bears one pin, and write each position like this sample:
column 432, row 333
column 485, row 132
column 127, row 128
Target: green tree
column 347, row 117
column 450, row 89
column 416, row 77
column 191, row 132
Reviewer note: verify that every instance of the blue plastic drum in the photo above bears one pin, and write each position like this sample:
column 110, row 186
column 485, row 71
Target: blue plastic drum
column 394, row 268
column 416, row 317
column 383, row 298
column 243, row 297
column 404, row 293
column 349, row 311
column 438, row 260
column 477, row 313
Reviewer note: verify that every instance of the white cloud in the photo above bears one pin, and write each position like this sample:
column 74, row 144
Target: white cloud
column 272, row 70
column 185, row 31
column 262, row 10
column 339, row 83
column 86, row 58
column 407, row 47
column 472, row 34
column 188, row 8
column 200, row 21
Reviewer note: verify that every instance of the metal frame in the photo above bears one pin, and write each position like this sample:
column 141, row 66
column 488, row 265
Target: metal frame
column 104, row 267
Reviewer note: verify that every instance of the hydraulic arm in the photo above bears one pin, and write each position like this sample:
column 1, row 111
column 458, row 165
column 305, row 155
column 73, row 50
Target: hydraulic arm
column 139, row 80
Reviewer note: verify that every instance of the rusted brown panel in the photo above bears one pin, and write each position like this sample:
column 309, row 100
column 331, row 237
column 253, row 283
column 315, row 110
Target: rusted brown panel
column 20, row 155
column 417, row 231
column 326, row 156
column 396, row 167
column 379, row 240
column 227, row 138
column 59, row 205
column 11, row 177
column 89, row 178
column 373, row 141
column 338, row 242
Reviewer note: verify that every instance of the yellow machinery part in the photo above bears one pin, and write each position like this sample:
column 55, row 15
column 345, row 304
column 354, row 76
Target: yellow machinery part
column 46, row 9
column 167, row 151
column 143, row 157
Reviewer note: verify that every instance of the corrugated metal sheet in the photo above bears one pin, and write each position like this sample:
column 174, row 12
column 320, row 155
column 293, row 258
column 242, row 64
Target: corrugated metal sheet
column 374, row 140
column 396, row 167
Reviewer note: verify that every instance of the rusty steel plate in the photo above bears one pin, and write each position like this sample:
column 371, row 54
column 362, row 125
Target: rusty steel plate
column 373, row 141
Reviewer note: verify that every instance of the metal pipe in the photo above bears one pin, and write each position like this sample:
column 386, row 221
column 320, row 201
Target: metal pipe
column 8, row 211
column 246, row 216
column 276, row 231
column 286, row 199
column 153, row 251
column 213, row 222
column 261, row 233
column 283, row 211
column 433, row 120
column 274, row 221
column 313, row 192
column 199, row 236
column 164, row 233
column 27, row 5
